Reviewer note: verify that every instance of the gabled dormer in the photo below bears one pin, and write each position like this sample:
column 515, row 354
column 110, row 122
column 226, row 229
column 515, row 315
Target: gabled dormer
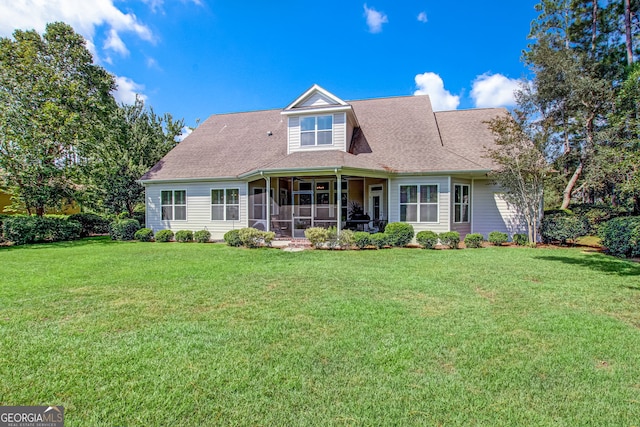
column 319, row 120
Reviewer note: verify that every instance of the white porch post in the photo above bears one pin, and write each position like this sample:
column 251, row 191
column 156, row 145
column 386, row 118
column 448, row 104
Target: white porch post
column 339, row 201
column 268, row 201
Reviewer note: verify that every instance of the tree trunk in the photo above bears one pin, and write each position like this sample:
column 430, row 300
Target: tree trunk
column 627, row 27
column 594, row 25
column 566, row 194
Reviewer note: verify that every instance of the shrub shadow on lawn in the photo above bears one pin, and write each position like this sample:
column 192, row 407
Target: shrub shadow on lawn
column 600, row 262
column 87, row 241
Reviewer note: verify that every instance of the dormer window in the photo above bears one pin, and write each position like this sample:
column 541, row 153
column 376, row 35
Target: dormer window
column 316, row 130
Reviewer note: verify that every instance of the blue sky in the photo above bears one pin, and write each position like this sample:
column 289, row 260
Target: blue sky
column 194, row 58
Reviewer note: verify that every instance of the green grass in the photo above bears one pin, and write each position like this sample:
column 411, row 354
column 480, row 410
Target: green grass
column 143, row 334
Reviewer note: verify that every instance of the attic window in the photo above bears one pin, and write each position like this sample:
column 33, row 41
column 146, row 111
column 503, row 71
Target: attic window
column 316, row 130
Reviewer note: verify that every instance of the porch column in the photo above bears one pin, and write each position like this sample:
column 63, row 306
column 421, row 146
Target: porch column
column 339, row 202
column 268, row 202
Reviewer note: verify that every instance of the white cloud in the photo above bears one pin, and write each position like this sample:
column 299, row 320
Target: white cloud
column 422, row 17
column 494, row 90
column 84, row 16
column 375, row 19
column 186, row 131
column 441, row 99
column 127, row 91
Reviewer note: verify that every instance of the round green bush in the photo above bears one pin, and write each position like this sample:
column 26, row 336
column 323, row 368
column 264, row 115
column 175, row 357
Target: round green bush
column 144, row 235
column 379, row 240
column 498, row 238
column 621, row 236
column 473, row 240
column 346, row 239
column 202, row 236
column 427, row 239
column 399, row 233
column 124, row 229
column 361, row 239
column 317, row 236
column 232, row 238
column 184, row 236
column 164, row 236
column 520, row 239
column 450, row 239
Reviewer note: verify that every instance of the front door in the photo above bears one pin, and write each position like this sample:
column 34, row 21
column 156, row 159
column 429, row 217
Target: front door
column 376, row 202
column 302, row 212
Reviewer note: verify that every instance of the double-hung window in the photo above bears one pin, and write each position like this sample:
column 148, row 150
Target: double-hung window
column 461, row 203
column 174, row 205
column 316, row 130
column 225, row 204
column 419, row 203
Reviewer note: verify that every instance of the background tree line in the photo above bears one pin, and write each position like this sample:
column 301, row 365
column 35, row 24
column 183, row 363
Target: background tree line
column 63, row 136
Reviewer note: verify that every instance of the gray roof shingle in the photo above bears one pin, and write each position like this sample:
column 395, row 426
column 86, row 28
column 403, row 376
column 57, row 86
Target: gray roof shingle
column 400, row 134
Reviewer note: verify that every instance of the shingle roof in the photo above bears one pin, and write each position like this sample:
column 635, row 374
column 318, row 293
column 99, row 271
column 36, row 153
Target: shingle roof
column 400, row 134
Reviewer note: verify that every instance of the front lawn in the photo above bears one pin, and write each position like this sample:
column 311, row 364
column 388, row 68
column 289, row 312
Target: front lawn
column 145, row 334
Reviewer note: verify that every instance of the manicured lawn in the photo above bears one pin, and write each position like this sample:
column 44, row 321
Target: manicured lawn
column 145, row 334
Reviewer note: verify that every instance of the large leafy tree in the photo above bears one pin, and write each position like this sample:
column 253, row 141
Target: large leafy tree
column 137, row 140
column 54, row 102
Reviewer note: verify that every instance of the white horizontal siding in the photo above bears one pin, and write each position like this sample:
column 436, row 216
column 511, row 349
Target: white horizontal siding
column 443, row 201
column 198, row 208
column 490, row 212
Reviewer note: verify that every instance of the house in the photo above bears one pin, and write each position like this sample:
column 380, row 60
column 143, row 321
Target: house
column 309, row 164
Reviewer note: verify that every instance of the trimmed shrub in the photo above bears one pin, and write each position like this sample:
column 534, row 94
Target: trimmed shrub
column 202, row 236
column 267, row 237
column 379, row 240
column 361, row 239
column 232, row 238
column 621, row 236
column 399, row 233
column 91, row 223
column 184, row 236
column 473, row 240
column 520, row 239
column 427, row 239
column 251, row 237
column 317, row 236
column 123, row 229
column 33, row 229
column 562, row 227
column 346, row 239
column 144, row 235
column 450, row 239
column 332, row 237
column 164, row 236
column 498, row 238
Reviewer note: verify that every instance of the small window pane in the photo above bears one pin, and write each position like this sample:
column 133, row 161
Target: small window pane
column 429, row 194
column 180, row 197
column 167, row 197
column 456, row 213
column 458, row 194
column 408, row 194
column 181, row 213
column 308, row 138
column 308, row 123
column 232, row 197
column 167, row 213
column 217, row 213
column 325, row 122
column 217, row 197
column 324, row 138
column 465, row 213
column 409, row 213
column 428, row 213
column 233, row 213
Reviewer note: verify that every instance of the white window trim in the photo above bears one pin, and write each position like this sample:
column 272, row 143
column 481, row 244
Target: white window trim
column 468, row 204
column 437, row 221
column 224, row 205
column 173, row 206
column 315, row 130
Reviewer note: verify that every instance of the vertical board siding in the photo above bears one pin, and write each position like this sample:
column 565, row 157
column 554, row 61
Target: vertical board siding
column 443, row 201
column 491, row 212
column 198, row 208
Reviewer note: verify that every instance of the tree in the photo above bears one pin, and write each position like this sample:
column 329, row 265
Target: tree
column 53, row 102
column 137, row 140
column 521, row 164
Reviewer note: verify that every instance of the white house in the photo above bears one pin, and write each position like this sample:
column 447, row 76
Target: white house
column 312, row 162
